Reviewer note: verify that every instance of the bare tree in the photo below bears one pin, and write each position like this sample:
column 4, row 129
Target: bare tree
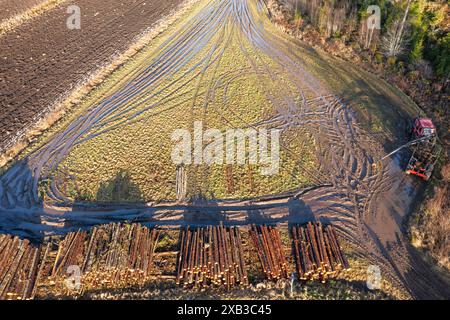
column 391, row 44
column 405, row 17
column 394, row 42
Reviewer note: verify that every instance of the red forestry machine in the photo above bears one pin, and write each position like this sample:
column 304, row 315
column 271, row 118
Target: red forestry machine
column 426, row 153
column 422, row 128
column 425, row 150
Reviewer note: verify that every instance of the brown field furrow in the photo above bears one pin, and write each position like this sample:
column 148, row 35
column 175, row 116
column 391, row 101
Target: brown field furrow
column 43, row 60
column 10, row 8
column 21, row 13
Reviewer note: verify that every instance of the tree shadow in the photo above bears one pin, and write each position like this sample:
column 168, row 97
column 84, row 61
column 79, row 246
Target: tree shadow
column 119, row 189
column 203, row 211
column 299, row 212
column 20, row 202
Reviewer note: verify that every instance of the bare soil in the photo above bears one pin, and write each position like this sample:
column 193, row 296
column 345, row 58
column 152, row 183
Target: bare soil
column 10, row 8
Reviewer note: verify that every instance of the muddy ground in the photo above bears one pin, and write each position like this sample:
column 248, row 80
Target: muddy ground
column 42, row 60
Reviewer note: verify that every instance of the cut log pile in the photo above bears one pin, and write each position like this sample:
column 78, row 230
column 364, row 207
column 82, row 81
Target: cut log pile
column 318, row 254
column 70, row 252
column 122, row 254
column 112, row 247
column 19, row 265
column 270, row 251
column 211, row 256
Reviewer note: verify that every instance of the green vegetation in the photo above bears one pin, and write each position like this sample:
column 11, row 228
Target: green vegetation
column 421, row 26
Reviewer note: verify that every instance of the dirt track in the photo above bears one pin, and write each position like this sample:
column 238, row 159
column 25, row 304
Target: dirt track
column 42, row 61
column 366, row 202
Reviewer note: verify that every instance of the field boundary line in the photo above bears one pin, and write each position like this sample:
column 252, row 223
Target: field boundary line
column 29, row 14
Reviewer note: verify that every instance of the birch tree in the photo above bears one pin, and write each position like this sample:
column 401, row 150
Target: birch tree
column 394, row 42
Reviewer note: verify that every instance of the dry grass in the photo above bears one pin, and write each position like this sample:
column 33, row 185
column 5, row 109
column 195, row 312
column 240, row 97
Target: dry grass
column 161, row 284
column 431, row 228
column 96, row 161
column 380, row 106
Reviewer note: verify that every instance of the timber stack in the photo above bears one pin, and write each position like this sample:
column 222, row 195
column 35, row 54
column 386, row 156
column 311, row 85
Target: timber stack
column 112, row 248
column 270, row 251
column 19, row 266
column 317, row 252
column 211, row 255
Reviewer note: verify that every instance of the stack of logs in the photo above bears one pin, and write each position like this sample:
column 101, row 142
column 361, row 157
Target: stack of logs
column 70, row 252
column 19, row 266
column 270, row 251
column 120, row 250
column 211, row 256
column 112, row 247
column 317, row 252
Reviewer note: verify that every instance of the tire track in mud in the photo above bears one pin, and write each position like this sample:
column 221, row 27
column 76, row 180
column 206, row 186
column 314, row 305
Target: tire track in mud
column 345, row 151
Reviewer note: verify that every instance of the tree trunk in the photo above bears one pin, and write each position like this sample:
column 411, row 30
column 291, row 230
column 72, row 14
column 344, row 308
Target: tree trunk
column 402, row 24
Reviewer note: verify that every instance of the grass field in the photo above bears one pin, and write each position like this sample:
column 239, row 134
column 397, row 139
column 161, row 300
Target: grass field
column 225, row 95
column 229, row 83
